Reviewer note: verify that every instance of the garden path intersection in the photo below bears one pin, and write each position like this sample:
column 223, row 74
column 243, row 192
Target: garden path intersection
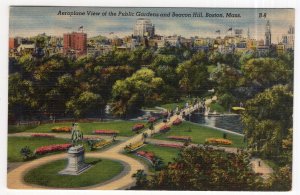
column 124, row 180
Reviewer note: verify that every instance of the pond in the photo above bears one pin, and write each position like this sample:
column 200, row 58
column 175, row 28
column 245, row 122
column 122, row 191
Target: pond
column 228, row 122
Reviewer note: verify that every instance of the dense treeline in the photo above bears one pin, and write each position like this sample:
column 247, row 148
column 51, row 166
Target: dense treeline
column 202, row 169
column 60, row 86
column 146, row 77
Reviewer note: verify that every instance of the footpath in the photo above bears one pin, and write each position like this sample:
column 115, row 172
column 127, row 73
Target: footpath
column 124, row 179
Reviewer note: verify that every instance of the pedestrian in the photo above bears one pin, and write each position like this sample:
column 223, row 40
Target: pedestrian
column 259, row 163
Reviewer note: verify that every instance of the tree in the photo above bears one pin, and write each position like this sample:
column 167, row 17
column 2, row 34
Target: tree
column 22, row 102
column 141, row 178
column 141, row 89
column 281, row 180
column 266, row 72
column 203, row 168
column 158, row 164
column 194, row 78
column 226, row 79
column 267, row 118
column 86, row 103
column 165, row 60
column 27, row 153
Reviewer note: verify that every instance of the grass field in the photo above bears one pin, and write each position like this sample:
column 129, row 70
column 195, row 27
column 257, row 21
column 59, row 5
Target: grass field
column 166, row 154
column 217, row 107
column 47, row 175
column 124, row 127
column 172, row 106
column 16, row 143
column 17, row 129
column 200, row 133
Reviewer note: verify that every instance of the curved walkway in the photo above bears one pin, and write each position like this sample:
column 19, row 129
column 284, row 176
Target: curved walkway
column 15, row 177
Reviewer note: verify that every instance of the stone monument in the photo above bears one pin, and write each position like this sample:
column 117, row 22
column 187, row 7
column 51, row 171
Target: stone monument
column 76, row 164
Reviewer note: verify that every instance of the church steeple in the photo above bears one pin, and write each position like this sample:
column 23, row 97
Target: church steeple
column 268, row 36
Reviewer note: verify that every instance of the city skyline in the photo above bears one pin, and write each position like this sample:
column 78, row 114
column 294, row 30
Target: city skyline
column 56, row 25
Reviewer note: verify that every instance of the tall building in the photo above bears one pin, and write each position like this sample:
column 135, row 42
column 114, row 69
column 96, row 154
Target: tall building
column 12, row 43
column 143, row 27
column 268, row 37
column 75, row 43
column 288, row 39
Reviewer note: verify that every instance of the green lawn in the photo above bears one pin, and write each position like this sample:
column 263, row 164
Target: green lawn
column 124, row 127
column 21, row 128
column 16, row 143
column 47, row 175
column 165, row 153
column 217, row 107
column 200, row 133
column 172, row 106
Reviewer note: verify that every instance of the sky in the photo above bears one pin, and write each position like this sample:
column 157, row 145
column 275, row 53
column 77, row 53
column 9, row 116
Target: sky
column 30, row 21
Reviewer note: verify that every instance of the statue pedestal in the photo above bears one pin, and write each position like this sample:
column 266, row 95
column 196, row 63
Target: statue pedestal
column 76, row 164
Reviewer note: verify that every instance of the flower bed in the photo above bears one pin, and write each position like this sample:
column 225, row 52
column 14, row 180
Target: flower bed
column 137, row 127
column 164, row 128
column 180, row 138
column 102, row 143
column 52, row 148
column 171, row 145
column 42, row 135
column 177, row 121
column 134, row 146
column 61, row 129
column 148, row 155
column 105, row 132
column 152, row 119
column 217, row 141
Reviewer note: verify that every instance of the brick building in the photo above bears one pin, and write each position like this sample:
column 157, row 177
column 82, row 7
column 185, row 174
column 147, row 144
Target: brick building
column 12, row 43
column 75, row 43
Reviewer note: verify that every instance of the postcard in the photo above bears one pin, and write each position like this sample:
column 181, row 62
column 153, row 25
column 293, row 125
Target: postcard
column 178, row 99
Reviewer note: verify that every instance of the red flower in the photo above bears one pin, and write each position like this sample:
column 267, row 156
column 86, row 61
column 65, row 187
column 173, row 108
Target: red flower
column 164, row 128
column 177, row 121
column 52, row 148
column 148, row 155
column 152, row 119
column 184, row 138
column 103, row 131
column 137, row 127
column 42, row 135
column 171, row 145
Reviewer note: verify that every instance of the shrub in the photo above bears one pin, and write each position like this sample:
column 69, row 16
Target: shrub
column 26, row 153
